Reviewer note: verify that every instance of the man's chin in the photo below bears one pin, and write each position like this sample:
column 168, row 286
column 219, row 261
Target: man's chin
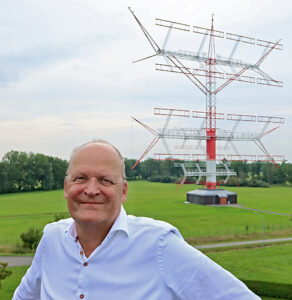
column 89, row 221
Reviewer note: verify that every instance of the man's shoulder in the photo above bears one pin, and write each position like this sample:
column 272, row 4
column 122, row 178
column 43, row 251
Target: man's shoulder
column 138, row 224
column 61, row 225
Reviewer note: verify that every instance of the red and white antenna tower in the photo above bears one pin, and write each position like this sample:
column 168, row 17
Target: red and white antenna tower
column 211, row 134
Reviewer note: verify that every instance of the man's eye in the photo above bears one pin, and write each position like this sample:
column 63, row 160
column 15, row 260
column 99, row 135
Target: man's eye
column 106, row 182
column 79, row 179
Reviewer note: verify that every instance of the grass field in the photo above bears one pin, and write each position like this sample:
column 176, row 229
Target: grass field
column 269, row 263
column 197, row 223
column 161, row 201
column 164, row 202
column 11, row 282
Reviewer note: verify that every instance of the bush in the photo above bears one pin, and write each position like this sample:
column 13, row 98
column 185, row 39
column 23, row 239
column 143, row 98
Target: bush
column 60, row 216
column 3, row 272
column 155, row 178
column 270, row 289
column 31, row 238
column 257, row 183
column 161, row 178
column 20, row 249
column 169, row 179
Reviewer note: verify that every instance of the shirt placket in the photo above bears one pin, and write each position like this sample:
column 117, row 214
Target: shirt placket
column 84, row 275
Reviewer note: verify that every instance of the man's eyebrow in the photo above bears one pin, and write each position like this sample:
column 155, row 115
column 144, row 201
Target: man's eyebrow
column 78, row 173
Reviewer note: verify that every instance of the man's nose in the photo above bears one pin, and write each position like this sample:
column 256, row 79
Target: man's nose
column 92, row 187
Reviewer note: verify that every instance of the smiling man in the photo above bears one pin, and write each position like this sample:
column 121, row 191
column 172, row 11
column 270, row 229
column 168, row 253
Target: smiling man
column 102, row 253
column 95, row 187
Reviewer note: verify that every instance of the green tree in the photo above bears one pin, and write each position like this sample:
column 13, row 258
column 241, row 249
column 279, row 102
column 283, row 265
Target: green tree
column 3, row 272
column 59, row 167
column 4, row 186
column 282, row 174
column 289, row 173
column 255, row 169
column 130, row 173
column 15, row 162
column 269, row 173
column 150, row 167
column 31, row 238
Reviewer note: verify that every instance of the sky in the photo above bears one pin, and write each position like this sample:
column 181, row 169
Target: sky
column 67, row 77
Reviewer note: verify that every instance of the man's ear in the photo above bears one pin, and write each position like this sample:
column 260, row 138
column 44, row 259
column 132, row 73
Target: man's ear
column 65, row 189
column 125, row 191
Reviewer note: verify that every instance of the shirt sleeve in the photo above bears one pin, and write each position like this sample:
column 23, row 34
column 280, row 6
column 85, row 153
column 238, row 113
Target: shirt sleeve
column 192, row 275
column 29, row 288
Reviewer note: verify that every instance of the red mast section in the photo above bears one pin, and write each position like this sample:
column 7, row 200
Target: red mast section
column 211, row 113
column 211, row 134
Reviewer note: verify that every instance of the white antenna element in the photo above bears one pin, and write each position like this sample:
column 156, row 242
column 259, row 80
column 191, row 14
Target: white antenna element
column 210, row 133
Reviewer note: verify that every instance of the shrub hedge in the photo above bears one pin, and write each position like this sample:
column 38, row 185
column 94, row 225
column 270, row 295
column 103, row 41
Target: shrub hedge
column 270, row 289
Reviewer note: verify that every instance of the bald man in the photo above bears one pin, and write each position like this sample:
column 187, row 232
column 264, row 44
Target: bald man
column 103, row 253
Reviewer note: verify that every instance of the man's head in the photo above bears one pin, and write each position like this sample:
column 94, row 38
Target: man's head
column 99, row 141
column 95, row 185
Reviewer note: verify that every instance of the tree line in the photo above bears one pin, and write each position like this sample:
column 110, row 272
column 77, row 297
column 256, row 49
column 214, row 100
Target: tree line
column 21, row 171
column 248, row 173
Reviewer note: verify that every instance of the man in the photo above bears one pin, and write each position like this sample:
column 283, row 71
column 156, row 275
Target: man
column 101, row 253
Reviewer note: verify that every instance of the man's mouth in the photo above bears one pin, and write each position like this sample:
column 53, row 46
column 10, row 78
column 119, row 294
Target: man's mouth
column 91, row 203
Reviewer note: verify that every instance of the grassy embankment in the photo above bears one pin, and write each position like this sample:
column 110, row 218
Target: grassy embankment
column 270, row 264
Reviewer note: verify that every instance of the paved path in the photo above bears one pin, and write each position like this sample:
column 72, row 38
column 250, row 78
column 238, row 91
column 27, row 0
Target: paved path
column 254, row 209
column 16, row 260
column 266, row 241
column 264, row 211
column 26, row 260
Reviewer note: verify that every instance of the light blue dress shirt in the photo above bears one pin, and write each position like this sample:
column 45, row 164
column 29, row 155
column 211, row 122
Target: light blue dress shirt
column 140, row 259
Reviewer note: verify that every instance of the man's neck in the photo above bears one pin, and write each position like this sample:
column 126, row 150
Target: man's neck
column 90, row 236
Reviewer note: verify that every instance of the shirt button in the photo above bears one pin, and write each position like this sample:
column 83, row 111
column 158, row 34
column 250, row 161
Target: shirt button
column 81, row 296
column 81, row 252
column 85, row 264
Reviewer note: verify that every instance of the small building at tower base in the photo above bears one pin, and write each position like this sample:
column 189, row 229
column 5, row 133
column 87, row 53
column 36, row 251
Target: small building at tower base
column 211, row 197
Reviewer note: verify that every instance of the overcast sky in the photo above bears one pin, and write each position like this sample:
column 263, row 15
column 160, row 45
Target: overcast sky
column 66, row 72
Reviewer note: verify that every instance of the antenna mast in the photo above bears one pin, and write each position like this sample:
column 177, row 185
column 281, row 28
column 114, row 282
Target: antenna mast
column 211, row 134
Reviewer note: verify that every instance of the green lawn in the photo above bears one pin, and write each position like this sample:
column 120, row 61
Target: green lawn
column 275, row 198
column 32, row 203
column 21, row 211
column 269, row 263
column 161, row 201
column 11, row 282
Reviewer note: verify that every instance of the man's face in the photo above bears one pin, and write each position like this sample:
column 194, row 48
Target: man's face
column 94, row 187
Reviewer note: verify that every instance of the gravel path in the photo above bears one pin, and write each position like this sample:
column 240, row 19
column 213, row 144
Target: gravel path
column 16, row 260
column 266, row 241
column 254, row 209
column 26, row 260
column 265, row 211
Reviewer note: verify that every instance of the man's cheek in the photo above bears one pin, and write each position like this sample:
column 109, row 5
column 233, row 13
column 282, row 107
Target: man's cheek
column 74, row 191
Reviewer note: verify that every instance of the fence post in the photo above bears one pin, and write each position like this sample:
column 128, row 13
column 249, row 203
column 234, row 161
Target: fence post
column 263, row 226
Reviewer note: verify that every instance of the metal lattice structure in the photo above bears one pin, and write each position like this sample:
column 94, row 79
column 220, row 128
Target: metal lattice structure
column 210, row 133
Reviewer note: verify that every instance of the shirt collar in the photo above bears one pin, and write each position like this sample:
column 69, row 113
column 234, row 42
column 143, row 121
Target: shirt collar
column 72, row 231
column 120, row 224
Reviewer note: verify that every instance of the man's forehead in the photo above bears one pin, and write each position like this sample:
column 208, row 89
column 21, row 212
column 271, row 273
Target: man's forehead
column 93, row 155
column 95, row 150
